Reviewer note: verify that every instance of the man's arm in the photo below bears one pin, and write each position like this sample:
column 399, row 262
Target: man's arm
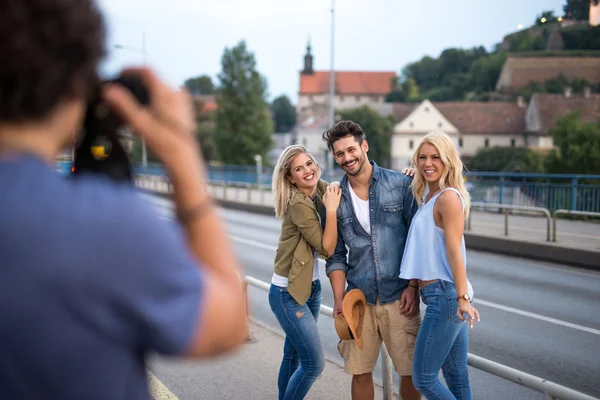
column 336, row 268
column 167, row 125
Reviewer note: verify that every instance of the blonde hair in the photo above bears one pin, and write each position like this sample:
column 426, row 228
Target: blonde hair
column 282, row 188
column 453, row 167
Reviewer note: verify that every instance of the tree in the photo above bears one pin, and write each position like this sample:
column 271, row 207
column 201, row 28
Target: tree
column 200, row 85
column 243, row 125
column 545, row 17
column 377, row 129
column 284, row 114
column 205, row 127
column 578, row 146
column 579, row 10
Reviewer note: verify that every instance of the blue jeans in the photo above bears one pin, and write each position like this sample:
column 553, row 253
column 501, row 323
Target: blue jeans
column 442, row 343
column 303, row 356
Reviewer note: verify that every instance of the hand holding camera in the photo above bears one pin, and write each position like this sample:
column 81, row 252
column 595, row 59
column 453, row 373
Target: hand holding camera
column 167, row 123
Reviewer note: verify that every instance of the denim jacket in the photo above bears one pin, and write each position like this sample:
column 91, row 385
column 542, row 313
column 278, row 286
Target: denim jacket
column 373, row 262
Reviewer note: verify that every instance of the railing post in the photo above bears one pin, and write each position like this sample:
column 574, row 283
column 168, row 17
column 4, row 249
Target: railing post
column 506, row 222
column 386, row 374
column 247, row 337
column 501, row 190
column 249, row 197
column 574, row 194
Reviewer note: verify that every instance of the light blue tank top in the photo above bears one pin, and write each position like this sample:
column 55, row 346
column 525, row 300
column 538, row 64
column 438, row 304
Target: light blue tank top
column 425, row 255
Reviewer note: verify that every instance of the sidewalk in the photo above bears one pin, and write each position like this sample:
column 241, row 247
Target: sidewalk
column 250, row 374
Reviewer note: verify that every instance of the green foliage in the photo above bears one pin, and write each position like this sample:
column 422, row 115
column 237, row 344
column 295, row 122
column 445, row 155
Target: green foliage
column 506, row 159
column 578, row 10
column 200, row 85
column 547, row 17
column 581, row 37
column 456, row 75
column 205, row 127
column 408, row 90
column 578, row 146
column 577, row 151
column 556, row 85
column 243, row 124
column 485, row 72
column 378, row 130
column 284, row 114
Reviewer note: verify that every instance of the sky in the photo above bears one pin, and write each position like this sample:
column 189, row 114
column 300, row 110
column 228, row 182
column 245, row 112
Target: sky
column 186, row 38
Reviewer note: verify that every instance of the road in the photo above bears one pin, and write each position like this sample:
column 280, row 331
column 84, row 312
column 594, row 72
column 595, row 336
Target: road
column 537, row 317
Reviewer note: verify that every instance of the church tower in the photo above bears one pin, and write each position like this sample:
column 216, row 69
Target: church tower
column 308, row 60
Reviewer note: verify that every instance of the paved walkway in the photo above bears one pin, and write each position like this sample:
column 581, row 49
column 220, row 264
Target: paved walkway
column 250, row 373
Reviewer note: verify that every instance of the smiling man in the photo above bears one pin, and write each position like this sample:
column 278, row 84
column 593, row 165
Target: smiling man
column 375, row 212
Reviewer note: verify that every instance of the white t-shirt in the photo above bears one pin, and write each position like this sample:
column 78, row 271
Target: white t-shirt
column 361, row 209
column 282, row 281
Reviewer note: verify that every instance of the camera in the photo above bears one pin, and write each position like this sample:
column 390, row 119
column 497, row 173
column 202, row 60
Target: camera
column 100, row 149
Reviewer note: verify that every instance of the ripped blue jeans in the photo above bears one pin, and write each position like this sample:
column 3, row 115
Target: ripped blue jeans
column 303, row 356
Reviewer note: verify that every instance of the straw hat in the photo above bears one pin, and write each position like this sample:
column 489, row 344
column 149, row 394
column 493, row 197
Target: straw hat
column 349, row 325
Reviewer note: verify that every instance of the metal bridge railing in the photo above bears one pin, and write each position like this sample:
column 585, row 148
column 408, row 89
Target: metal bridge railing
column 569, row 212
column 507, row 208
column 550, row 390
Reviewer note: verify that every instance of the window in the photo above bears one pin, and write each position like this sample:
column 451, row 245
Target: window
column 487, row 143
column 411, row 124
column 460, row 142
column 304, row 142
column 439, row 124
column 513, row 142
column 426, row 109
column 410, row 144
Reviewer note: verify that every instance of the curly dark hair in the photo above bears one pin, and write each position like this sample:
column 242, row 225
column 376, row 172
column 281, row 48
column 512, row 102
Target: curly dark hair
column 50, row 51
column 341, row 130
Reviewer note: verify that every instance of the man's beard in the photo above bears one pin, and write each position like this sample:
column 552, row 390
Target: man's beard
column 360, row 161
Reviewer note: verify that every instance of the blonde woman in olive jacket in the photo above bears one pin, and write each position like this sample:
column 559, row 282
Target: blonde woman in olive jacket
column 301, row 199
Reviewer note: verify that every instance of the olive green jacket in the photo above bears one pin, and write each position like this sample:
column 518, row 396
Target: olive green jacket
column 301, row 235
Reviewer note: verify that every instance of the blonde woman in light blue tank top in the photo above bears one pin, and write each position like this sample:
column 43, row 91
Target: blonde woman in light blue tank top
column 435, row 255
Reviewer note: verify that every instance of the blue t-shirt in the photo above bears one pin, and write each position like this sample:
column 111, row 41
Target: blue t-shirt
column 91, row 281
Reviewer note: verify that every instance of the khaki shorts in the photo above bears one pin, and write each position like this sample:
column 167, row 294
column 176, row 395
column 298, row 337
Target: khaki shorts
column 382, row 322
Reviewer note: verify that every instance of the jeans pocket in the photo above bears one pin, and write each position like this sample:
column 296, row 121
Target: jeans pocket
column 452, row 309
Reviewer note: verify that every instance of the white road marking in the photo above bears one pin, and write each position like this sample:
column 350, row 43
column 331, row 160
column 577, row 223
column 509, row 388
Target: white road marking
column 476, row 300
column 537, row 316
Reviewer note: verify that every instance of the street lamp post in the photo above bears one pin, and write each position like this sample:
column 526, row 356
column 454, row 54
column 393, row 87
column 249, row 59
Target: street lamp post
column 331, row 90
column 143, row 51
column 258, row 160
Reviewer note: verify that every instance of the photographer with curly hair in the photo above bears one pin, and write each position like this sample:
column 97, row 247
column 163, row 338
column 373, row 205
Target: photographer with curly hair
column 91, row 280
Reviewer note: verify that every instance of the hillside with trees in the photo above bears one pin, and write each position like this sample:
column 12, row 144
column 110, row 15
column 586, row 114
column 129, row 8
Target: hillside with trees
column 471, row 74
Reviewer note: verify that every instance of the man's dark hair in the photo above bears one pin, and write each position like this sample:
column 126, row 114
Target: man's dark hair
column 50, row 51
column 341, row 130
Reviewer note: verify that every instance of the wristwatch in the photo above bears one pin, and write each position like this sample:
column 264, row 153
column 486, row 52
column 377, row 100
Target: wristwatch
column 464, row 297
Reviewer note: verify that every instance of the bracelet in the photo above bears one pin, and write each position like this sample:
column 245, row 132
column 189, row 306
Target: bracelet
column 195, row 212
column 415, row 286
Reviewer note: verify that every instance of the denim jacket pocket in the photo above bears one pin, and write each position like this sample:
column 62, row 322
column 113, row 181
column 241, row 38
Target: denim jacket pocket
column 392, row 214
column 347, row 229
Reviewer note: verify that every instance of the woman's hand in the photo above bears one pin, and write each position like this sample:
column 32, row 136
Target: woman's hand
column 409, row 171
column 465, row 307
column 332, row 197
